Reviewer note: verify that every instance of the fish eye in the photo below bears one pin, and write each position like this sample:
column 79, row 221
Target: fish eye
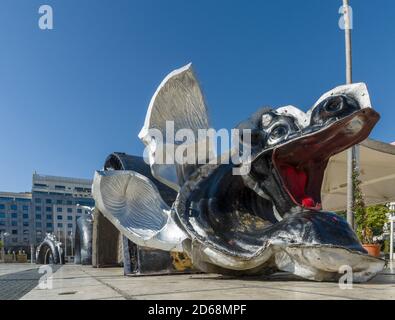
column 334, row 105
column 333, row 108
column 278, row 133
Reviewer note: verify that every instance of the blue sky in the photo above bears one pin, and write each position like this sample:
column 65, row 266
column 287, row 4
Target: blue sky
column 72, row 95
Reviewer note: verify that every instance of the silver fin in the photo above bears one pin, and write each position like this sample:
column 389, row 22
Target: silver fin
column 133, row 204
column 178, row 99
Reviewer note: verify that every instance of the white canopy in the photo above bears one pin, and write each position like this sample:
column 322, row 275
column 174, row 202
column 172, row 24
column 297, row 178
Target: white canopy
column 377, row 167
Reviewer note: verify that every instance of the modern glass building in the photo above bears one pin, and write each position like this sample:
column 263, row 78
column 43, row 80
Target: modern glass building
column 56, row 205
column 16, row 220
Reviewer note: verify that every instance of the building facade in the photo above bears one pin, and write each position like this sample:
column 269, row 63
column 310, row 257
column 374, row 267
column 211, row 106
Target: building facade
column 56, row 205
column 16, row 220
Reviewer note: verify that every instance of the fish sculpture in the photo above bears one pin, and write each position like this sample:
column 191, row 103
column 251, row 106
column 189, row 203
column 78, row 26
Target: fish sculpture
column 265, row 220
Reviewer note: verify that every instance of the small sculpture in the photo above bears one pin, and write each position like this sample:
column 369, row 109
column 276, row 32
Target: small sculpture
column 265, row 218
column 50, row 251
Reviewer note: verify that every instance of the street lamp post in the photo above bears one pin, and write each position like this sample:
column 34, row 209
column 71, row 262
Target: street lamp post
column 352, row 153
column 3, row 236
column 72, row 244
column 65, row 240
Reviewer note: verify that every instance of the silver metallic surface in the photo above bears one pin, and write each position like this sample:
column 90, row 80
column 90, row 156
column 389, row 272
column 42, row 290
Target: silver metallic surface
column 179, row 99
column 83, row 239
column 133, row 204
column 50, row 251
column 268, row 228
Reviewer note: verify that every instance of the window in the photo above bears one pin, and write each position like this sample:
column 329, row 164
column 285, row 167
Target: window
column 38, row 208
column 60, row 188
column 14, row 215
column 13, row 207
column 14, row 223
column 25, row 216
column 48, row 201
column 37, row 200
column 14, row 239
column 40, row 185
column 86, row 202
column 25, row 208
column 2, row 223
column 26, row 224
column 2, row 215
column 2, row 206
column 49, row 216
column 38, row 224
column 38, row 216
column 79, row 210
column 69, row 225
column 49, row 225
column 60, row 217
column 69, row 202
column 14, row 231
column 59, row 201
column 48, row 209
column 69, row 210
column 70, row 218
column 58, row 209
column 60, row 225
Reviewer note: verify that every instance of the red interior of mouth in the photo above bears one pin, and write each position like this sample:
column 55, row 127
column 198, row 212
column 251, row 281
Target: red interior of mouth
column 301, row 184
column 296, row 181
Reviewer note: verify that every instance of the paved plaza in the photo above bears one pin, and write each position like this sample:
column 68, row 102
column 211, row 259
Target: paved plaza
column 21, row 281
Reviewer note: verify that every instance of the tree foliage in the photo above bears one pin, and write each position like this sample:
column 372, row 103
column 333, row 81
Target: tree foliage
column 369, row 220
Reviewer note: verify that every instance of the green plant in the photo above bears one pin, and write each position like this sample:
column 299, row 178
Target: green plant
column 369, row 220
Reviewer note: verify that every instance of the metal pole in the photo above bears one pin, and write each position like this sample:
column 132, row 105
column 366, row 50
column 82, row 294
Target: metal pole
column 392, row 219
column 31, row 254
column 347, row 33
column 71, row 246
column 392, row 241
column 65, row 243
column 352, row 152
column 3, row 246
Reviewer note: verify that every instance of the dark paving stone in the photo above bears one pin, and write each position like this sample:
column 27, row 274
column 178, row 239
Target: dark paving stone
column 13, row 286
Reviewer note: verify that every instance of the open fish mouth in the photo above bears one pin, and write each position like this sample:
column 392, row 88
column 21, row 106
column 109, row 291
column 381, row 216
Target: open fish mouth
column 301, row 163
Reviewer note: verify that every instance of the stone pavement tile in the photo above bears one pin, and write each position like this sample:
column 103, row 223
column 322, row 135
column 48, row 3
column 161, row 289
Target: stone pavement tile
column 240, row 294
column 85, row 282
column 71, row 283
column 218, row 287
column 167, row 284
column 73, row 293
column 16, row 282
column 6, row 268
